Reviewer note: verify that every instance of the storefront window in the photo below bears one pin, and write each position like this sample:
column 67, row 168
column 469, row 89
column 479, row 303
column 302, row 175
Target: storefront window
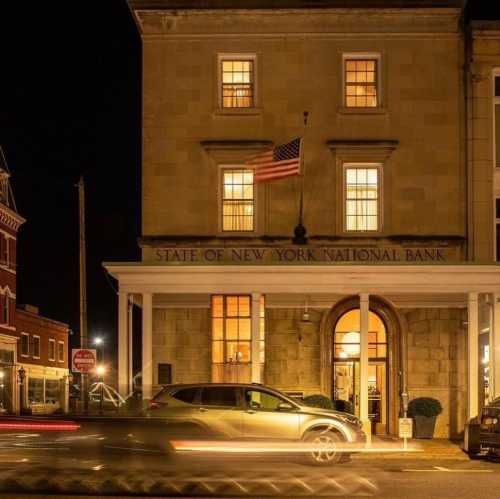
column 35, row 390
column 52, row 391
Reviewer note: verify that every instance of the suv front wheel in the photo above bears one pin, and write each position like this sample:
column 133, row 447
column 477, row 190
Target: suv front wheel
column 326, row 444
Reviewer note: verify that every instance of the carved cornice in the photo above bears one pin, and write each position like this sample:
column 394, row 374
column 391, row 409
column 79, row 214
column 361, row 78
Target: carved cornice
column 235, row 145
column 10, row 218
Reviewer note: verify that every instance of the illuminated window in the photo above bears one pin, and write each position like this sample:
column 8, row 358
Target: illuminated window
column 361, row 82
column 237, row 200
column 60, row 351
column 361, row 198
column 237, row 82
column 232, row 337
column 346, row 337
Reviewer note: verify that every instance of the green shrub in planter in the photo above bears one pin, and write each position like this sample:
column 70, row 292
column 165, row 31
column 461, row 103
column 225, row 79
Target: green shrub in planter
column 425, row 406
column 424, row 411
column 318, row 401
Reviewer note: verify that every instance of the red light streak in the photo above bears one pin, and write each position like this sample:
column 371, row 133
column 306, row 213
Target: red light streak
column 39, row 426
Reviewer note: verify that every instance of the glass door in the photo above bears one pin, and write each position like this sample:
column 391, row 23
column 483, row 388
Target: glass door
column 346, row 382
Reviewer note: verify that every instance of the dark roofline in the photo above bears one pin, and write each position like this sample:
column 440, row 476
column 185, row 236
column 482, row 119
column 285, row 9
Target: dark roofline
column 290, row 4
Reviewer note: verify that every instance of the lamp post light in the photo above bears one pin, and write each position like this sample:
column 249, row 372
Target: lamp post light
column 99, row 342
column 22, row 377
column 101, row 371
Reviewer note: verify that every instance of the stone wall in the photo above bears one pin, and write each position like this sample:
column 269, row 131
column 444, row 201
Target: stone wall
column 437, row 366
column 292, row 350
column 181, row 337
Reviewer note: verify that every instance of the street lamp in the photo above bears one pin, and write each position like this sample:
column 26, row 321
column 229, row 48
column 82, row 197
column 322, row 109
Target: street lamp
column 101, row 371
column 22, row 377
column 99, row 342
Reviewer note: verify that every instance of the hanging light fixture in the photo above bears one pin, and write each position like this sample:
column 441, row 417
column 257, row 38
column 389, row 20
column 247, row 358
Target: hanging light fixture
column 306, row 319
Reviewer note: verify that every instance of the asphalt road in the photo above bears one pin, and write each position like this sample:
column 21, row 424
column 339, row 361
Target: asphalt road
column 39, row 463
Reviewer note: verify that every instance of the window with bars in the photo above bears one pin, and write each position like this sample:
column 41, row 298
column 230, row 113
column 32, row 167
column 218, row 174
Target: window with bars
column 361, row 82
column 232, row 337
column 362, row 198
column 237, row 77
column 238, row 201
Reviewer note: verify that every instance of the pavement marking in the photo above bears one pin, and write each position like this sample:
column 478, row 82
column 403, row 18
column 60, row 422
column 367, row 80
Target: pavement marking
column 447, row 470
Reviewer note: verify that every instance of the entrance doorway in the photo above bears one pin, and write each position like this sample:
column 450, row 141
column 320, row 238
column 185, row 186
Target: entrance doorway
column 345, row 382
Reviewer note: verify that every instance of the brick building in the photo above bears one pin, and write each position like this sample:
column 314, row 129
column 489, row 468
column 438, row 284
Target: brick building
column 33, row 349
column 10, row 221
column 43, row 354
column 397, row 290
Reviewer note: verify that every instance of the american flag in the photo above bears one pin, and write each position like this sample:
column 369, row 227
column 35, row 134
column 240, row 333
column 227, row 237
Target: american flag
column 282, row 161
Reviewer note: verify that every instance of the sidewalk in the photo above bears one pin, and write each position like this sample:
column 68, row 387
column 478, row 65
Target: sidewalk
column 392, row 448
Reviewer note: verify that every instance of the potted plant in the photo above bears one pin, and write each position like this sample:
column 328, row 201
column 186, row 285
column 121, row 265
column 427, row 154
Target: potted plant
column 424, row 411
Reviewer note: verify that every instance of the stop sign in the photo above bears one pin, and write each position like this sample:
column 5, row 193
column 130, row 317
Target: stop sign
column 83, row 360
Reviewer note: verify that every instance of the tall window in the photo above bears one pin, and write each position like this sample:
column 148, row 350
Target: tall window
column 237, row 76
column 362, row 193
column 231, row 337
column 361, row 82
column 60, row 351
column 497, row 228
column 237, row 200
column 497, row 121
column 5, row 309
column 25, row 344
column 52, row 349
column 36, row 347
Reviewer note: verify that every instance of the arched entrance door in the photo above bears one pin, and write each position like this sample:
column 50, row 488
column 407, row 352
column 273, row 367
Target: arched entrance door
column 345, row 369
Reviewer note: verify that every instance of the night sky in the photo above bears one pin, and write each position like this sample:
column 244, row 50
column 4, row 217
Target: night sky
column 70, row 104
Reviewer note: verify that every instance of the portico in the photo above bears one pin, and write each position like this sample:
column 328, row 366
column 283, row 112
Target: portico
column 474, row 289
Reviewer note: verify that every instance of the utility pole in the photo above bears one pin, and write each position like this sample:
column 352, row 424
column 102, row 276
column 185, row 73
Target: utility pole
column 83, row 292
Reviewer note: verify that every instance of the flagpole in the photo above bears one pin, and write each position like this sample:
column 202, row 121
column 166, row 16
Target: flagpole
column 300, row 232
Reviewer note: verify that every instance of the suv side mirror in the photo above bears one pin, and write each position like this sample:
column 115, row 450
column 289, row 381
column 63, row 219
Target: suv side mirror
column 285, row 406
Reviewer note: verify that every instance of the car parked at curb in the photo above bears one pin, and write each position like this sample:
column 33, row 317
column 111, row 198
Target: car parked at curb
column 482, row 435
column 253, row 412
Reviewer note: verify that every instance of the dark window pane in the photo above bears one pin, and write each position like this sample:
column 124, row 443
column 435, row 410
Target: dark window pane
column 498, row 242
column 497, row 135
column 187, row 395
column 224, row 396
column 497, row 206
column 497, row 86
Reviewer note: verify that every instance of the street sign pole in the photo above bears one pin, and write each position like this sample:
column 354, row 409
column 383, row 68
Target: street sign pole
column 83, row 292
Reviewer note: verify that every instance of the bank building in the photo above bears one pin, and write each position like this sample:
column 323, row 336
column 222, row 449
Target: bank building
column 390, row 286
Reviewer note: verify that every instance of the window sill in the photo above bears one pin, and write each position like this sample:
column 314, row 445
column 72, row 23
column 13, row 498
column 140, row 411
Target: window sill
column 25, row 355
column 362, row 110
column 238, row 111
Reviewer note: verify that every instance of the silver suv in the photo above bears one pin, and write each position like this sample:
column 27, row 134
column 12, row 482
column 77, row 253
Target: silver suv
column 257, row 412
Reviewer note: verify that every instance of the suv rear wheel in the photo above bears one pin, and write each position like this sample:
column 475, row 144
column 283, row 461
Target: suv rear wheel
column 326, row 445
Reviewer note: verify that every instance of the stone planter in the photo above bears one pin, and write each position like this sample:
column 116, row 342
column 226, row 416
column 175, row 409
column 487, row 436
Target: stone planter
column 424, row 426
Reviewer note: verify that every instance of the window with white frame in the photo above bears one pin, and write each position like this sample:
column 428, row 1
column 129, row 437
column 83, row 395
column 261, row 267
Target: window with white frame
column 362, row 198
column 36, row 346
column 60, row 351
column 361, row 80
column 237, row 81
column 238, row 200
column 52, row 349
column 6, row 309
column 25, row 344
column 497, row 118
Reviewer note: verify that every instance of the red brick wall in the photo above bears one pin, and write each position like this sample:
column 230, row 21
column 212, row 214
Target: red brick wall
column 32, row 324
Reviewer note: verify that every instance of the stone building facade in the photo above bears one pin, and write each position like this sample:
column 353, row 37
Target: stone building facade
column 394, row 295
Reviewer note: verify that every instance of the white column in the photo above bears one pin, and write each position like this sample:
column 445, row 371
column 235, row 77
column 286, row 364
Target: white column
column 473, row 356
column 363, row 362
column 256, row 338
column 147, row 346
column 123, row 372
column 130, row 344
column 495, row 347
